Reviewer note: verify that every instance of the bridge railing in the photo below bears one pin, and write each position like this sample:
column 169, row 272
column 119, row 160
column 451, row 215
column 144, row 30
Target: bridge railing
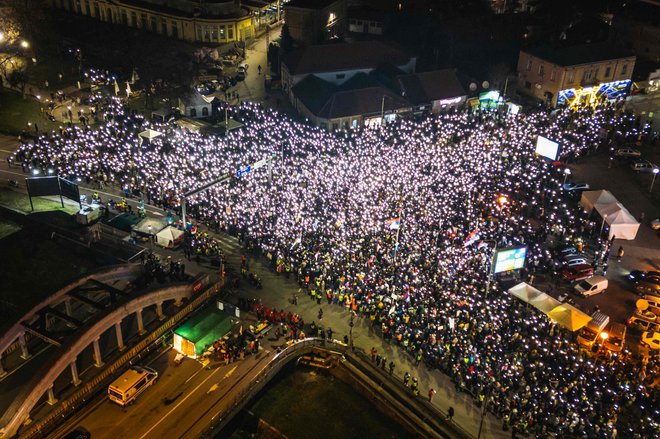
column 295, row 350
column 65, row 408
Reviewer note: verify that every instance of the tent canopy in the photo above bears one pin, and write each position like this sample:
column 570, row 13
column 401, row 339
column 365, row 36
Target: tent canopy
column 525, row 292
column 622, row 225
column 545, row 303
column 569, row 317
column 591, row 198
column 150, row 134
column 538, row 299
column 169, row 237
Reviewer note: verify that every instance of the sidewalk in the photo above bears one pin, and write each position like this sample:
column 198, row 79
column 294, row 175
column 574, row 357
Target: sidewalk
column 278, row 291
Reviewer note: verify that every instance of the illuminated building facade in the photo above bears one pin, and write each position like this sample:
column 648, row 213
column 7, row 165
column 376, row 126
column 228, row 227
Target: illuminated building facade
column 576, row 75
column 212, row 22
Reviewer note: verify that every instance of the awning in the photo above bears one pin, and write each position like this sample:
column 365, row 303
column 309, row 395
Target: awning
column 150, row 134
column 569, row 317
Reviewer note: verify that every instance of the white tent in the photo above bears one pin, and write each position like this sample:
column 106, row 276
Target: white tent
column 524, row 292
column 169, row 237
column 608, row 209
column 150, row 134
column 591, row 198
column 622, row 225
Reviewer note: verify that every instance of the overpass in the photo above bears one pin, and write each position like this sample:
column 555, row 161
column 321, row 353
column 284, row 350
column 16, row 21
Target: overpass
column 88, row 333
column 39, row 320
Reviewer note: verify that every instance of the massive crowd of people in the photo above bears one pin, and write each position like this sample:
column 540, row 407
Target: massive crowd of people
column 384, row 221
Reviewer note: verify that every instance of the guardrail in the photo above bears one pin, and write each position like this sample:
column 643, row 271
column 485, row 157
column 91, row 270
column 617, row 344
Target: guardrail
column 297, row 349
column 58, row 415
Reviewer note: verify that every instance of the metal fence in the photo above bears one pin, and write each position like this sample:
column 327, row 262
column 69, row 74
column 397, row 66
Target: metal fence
column 275, row 365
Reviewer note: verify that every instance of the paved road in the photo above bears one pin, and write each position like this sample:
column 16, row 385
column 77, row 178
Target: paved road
column 179, row 403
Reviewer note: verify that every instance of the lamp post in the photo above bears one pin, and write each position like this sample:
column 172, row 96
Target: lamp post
column 567, row 172
column 602, row 224
column 655, row 174
column 382, row 109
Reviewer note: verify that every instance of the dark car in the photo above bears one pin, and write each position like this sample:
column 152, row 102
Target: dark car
column 577, row 272
column 646, row 287
column 78, row 433
column 649, row 276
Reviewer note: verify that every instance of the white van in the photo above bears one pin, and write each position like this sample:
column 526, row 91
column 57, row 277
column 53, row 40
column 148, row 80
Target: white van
column 591, row 286
column 589, row 333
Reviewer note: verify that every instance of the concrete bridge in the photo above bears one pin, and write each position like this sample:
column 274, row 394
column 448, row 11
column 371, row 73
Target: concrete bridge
column 39, row 320
column 67, row 350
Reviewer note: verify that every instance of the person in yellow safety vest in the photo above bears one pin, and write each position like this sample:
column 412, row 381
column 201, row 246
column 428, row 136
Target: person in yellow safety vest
column 313, row 294
column 341, row 297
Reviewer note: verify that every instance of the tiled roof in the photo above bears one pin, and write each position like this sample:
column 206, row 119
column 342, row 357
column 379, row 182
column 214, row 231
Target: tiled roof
column 313, row 92
column 360, row 102
column 422, row 88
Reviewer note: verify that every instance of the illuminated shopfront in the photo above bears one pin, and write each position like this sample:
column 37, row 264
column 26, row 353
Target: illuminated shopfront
column 593, row 95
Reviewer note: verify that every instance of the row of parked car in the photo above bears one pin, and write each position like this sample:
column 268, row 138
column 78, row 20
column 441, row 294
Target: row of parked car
column 634, row 157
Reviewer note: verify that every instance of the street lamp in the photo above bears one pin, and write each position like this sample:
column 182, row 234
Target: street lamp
column 567, row 172
column 604, row 336
column 655, row 173
column 603, row 224
column 25, row 44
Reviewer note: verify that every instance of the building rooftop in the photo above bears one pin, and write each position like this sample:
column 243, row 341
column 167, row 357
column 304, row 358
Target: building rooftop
column 581, row 54
column 309, row 4
column 422, row 88
column 361, row 101
column 345, row 56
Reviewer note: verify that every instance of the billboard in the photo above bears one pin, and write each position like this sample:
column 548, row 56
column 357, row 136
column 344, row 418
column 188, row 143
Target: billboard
column 70, row 190
column 508, row 259
column 43, row 186
column 547, row 148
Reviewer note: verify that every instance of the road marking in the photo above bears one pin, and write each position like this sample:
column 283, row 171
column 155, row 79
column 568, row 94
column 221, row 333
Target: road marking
column 215, row 386
column 180, row 402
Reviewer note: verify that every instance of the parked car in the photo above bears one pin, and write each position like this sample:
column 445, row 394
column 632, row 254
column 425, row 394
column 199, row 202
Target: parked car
column 651, row 339
column 647, row 287
column 646, row 314
column 641, row 324
column 616, row 337
column 591, row 286
column 78, row 433
column 575, row 262
column 627, row 152
column 577, row 272
column 575, row 187
column 655, row 224
column 573, row 257
column 642, row 166
column 564, row 250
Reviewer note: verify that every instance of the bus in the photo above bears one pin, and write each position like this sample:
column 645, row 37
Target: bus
column 134, row 381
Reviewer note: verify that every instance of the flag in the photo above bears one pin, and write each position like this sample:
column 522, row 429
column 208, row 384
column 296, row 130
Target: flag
column 393, row 223
column 116, row 88
column 406, row 296
column 128, row 89
column 297, row 241
column 472, row 237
